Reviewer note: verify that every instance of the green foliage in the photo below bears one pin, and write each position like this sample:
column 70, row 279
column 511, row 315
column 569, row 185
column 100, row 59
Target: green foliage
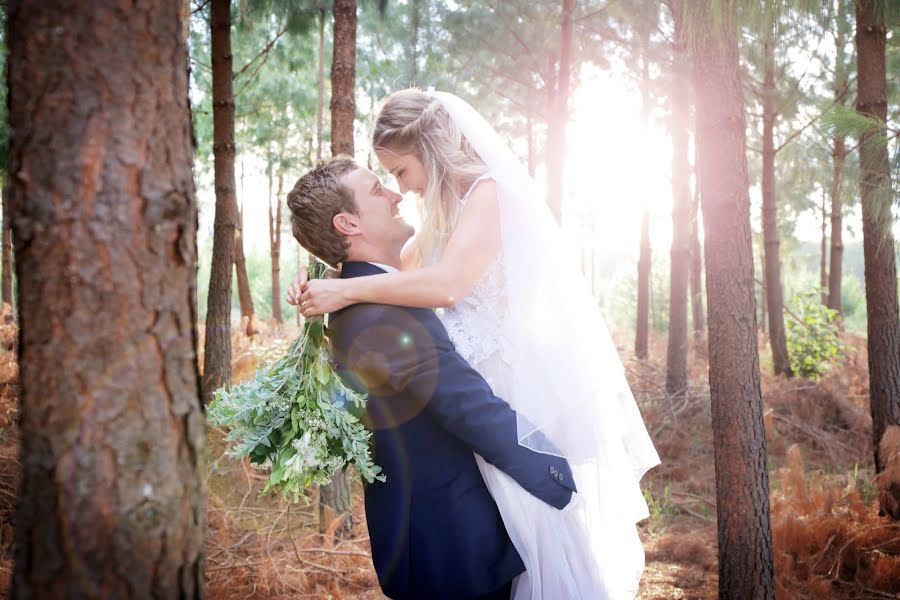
column 847, row 122
column 813, row 337
column 660, row 506
column 297, row 417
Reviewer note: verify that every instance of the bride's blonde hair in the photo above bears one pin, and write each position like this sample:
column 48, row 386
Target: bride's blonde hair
column 412, row 122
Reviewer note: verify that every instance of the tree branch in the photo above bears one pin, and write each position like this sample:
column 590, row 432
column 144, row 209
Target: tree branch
column 264, row 53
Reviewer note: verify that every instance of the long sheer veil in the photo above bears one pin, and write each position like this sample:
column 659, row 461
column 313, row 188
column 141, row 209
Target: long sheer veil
column 569, row 382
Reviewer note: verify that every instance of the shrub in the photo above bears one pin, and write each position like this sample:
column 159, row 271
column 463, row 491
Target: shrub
column 813, row 339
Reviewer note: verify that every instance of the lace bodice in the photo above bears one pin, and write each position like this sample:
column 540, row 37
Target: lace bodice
column 475, row 323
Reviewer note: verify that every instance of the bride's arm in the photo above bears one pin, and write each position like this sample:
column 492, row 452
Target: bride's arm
column 474, row 243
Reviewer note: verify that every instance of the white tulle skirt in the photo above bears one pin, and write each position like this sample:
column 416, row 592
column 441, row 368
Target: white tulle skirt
column 591, row 549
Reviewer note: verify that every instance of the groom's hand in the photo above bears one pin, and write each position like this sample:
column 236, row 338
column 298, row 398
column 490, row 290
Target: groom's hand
column 297, row 287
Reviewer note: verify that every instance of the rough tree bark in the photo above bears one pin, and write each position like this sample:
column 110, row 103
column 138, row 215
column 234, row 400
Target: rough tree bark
column 676, row 358
column 334, row 498
column 878, row 240
column 217, row 348
column 111, row 498
column 742, row 483
column 7, row 249
column 343, row 77
column 275, row 247
column 772, row 263
column 320, row 86
column 556, row 133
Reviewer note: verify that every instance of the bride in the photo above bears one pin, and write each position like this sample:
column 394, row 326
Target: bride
column 490, row 254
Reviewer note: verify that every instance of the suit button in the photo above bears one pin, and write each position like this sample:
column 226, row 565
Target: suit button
column 553, row 470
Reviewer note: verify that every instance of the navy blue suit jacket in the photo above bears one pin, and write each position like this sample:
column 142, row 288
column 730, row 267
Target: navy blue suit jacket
column 435, row 531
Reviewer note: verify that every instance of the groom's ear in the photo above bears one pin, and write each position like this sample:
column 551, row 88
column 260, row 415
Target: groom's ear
column 346, row 223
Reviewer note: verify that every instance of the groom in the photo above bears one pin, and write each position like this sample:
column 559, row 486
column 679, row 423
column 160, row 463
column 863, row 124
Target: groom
column 435, row 531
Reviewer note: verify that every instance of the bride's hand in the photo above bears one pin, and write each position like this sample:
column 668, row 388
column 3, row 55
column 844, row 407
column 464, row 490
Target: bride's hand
column 322, row 296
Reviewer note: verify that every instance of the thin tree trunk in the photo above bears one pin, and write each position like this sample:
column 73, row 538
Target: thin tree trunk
column 878, row 240
column 823, row 255
column 7, row 248
column 742, row 481
column 343, row 77
column 217, row 347
column 763, row 318
column 556, row 134
column 676, row 358
column 773, row 291
column 414, row 7
column 275, row 247
column 698, row 320
column 839, row 156
column 245, row 298
column 320, row 87
column 111, row 500
column 243, row 280
column 642, row 329
column 334, row 498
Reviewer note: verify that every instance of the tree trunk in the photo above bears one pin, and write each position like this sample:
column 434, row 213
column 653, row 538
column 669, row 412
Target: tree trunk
column 275, row 247
column 415, row 21
column 823, row 255
column 320, row 87
column 334, row 498
column 878, row 240
column 217, row 348
column 240, row 266
column 742, row 481
column 676, row 358
column 839, row 156
column 772, row 263
column 111, row 496
column 698, row 320
column 7, row 248
column 343, row 77
column 556, row 134
column 642, row 329
column 763, row 316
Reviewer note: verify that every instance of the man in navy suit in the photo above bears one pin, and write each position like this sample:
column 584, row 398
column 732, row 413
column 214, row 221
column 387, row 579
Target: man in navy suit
column 434, row 529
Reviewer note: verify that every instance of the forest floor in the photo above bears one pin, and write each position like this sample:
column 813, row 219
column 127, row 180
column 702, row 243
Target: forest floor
column 828, row 539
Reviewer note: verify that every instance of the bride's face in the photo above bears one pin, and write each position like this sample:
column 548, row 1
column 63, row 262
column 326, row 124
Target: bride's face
column 406, row 168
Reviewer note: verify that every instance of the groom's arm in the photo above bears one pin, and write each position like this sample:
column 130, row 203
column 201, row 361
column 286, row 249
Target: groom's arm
column 393, row 350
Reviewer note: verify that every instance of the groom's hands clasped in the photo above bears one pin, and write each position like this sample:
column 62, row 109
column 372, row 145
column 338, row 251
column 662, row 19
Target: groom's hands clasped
column 297, row 287
column 318, row 296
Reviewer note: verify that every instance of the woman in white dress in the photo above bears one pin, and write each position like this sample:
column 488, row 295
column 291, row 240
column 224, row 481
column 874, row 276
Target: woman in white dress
column 490, row 254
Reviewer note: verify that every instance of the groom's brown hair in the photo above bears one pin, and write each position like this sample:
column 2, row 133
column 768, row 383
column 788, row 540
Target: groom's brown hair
column 316, row 198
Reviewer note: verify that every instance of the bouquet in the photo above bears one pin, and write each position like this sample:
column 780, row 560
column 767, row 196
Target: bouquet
column 297, row 417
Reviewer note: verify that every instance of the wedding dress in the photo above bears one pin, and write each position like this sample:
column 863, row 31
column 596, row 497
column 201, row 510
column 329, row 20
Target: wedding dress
column 531, row 328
